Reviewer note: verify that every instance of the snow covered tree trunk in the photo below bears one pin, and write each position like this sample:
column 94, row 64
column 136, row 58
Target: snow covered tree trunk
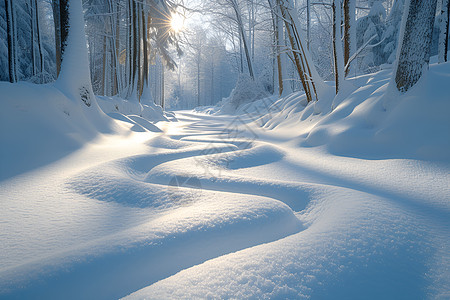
column 74, row 78
column 11, row 44
column 349, row 31
column 337, row 46
column 415, row 42
column 443, row 31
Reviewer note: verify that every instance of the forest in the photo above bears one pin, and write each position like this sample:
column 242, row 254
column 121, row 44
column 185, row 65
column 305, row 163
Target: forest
column 250, row 149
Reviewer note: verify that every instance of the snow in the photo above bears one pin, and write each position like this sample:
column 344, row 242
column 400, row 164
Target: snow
column 344, row 198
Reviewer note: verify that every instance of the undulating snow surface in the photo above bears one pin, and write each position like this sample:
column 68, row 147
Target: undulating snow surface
column 347, row 198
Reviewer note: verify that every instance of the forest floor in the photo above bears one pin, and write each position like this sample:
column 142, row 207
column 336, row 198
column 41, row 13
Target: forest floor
column 215, row 206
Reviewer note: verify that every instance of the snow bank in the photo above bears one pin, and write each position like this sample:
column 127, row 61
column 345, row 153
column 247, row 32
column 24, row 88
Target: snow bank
column 149, row 111
column 40, row 123
column 369, row 121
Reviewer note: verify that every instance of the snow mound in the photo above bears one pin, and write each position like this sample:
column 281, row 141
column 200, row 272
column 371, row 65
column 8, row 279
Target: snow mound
column 247, row 90
column 40, row 124
column 149, row 110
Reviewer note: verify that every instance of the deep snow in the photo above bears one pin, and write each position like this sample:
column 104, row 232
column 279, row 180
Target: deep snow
column 346, row 198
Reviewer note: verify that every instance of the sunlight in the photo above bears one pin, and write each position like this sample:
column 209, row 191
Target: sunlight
column 177, row 22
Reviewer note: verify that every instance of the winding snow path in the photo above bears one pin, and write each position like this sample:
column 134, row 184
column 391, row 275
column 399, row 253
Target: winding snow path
column 214, row 207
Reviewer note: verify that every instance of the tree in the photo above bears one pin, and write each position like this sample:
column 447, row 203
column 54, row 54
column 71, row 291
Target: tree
column 414, row 43
column 337, row 46
column 305, row 67
column 349, row 31
column 11, row 40
column 242, row 35
column 57, row 20
column 74, row 77
column 443, row 31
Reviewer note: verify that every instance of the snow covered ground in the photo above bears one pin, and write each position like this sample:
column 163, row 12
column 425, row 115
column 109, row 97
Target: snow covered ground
column 305, row 202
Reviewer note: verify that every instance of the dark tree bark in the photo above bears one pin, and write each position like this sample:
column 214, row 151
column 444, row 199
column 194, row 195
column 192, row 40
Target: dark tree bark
column 64, row 23
column 415, row 44
column 443, row 31
column 349, row 14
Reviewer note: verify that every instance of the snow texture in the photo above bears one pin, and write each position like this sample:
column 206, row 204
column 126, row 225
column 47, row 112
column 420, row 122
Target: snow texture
column 343, row 198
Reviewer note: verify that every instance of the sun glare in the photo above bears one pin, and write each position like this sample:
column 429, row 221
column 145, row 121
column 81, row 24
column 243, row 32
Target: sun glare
column 177, row 22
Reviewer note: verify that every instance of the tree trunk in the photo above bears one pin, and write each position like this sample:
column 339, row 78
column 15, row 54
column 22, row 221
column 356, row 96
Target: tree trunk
column 337, row 46
column 138, row 38
column 443, row 31
column 10, row 33
column 308, row 24
column 57, row 20
column 277, row 45
column 39, row 41
column 349, row 31
column 414, row 43
column 104, row 65
column 32, row 39
column 145, row 50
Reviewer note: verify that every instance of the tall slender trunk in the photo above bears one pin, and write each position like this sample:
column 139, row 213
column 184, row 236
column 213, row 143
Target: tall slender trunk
column 349, row 31
column 145, row 50
column 104, row 65
column 39, row 41
column 443, row 31
column 276, row 31
column 10, row 33
column 138, row 42
column 337, row 45
column 162, row 87
column 133, row 60
column 308, row 24
column 32, row 39
column 57, row 19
